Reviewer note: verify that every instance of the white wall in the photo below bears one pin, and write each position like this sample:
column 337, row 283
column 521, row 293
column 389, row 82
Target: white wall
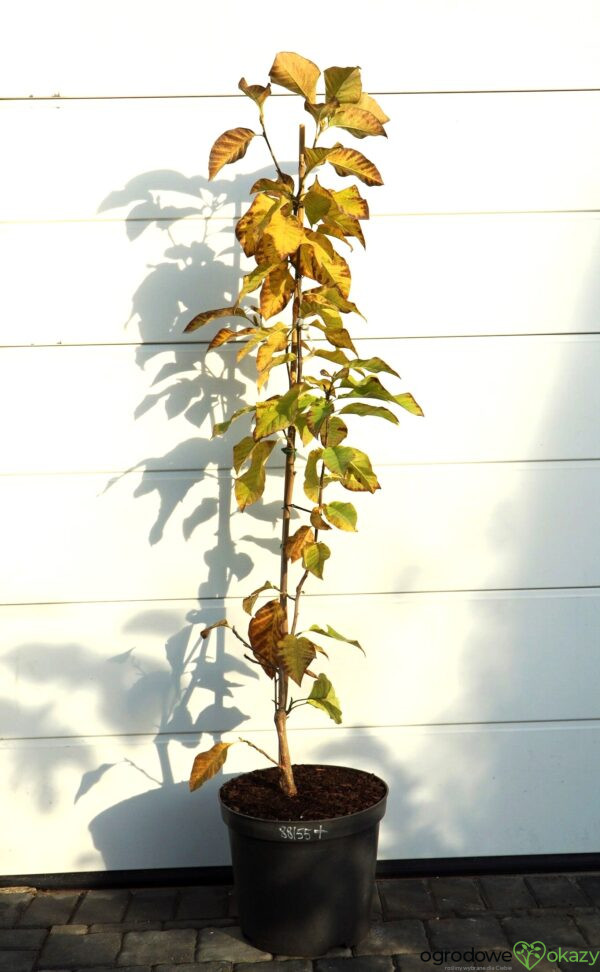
column 473, row 581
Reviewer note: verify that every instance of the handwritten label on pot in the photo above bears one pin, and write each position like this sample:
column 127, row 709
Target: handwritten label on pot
column 302, row 833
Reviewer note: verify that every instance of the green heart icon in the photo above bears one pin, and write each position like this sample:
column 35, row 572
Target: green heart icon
column 529, row 954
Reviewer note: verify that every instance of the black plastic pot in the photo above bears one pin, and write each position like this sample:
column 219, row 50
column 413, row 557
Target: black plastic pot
column 304, row 886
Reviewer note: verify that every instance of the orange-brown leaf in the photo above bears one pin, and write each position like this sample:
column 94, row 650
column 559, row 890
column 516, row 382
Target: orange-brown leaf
column 206, row 765
column 206, row 316
column 349, row 162
column 226, row 334
column 258, row 92
column 297, row 542
column 265, row 630
column 229, row 147
column 251, row 225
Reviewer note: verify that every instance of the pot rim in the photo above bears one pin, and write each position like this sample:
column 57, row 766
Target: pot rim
column 328, row 828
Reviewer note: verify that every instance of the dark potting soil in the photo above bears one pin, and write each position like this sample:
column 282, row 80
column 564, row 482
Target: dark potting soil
column 323, row 792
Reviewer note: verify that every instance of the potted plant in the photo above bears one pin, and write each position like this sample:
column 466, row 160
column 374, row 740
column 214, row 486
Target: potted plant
column 303, row 838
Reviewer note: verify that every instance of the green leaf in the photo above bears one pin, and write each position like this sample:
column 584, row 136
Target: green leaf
column 314, row 557
column 352, row 467
column 330, row 632
column 206, row 765
column 311, row 478
column 361, row 408
column 323, row 697
column 317, row 414
column 371, row 387
column 334, row 432
column 241, row 451
column 296, row 655
column 221, row 427
column 277, row 413
column 296, row 73
column 342, row 83
column 249, row 601
column 229, row 147
column 373, row 365
column 341, row 515
column 201, row 319
column 250, row 487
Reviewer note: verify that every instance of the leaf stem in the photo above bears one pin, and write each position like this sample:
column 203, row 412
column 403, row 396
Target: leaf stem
column 266, row 138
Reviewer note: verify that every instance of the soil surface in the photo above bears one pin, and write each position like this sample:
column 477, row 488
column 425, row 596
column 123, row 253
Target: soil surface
column 323, row 792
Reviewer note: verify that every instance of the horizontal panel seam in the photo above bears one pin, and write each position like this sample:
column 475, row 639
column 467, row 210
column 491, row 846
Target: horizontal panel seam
column 221, row 598
column 171, row 736
column 420, row 92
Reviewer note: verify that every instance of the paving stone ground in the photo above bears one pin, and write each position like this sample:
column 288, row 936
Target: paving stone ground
column 417, row 924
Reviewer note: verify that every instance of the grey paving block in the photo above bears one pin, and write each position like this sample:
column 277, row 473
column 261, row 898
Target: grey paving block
column 63, row 950
column 277, row 965
column 406, row 898
column 17, row 961
column 12, row 903
column 338, row 951
column 506, row 892
column 227, row 945
column 414, row 963
column 556, row 929
column 177, row 945
column 210, row 902
column 152, row 904
column 101, row 907
column 50, row 908
column 125, row 926
column 590, row 926
column 456, row 895
column 195, row 967
column 201, row 923
column 123, row 968
column 482, row 931
column 376, row 906
column 590, row 885
column 557, row 891
column 393, row 938
column 22, row 937
column 361, row 963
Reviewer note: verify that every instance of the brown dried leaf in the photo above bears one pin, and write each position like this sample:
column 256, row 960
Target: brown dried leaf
column 229, row 147
column 265, row 631
column 206, row 765
column 297, row 542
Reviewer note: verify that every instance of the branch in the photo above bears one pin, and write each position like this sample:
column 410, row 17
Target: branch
column 259, row 750
column 266, row 138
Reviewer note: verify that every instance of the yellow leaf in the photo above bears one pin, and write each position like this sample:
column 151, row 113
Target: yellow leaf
column 350, row 201
column 311, row 478
column 297, row 542
column 317, row 520
column 340, row 338
column 334, row 432
column 276, row 341
column 250, row 487
column 206, row 765
column 258, row 92
column 249, row 602
column 349, row 162
column 369, row 104
column 241, row 451
column 341, row 515
column 296, row 73
column 275, row 187
column 343, row 83
column 229, row 147
column 276, row 292
column 265, row 631
column 278, row 359
column 285, row 233
column 357, row 121
column 251, row 225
